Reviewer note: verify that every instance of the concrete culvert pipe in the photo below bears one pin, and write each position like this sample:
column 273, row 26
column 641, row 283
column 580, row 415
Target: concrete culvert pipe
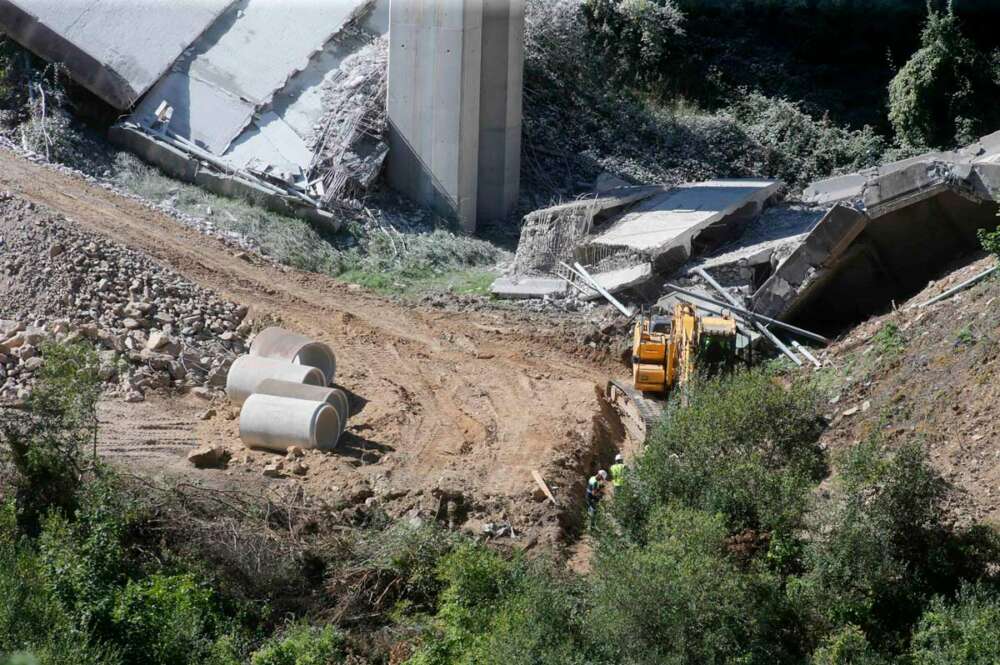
column 292, row 347
column 248, row 371
column 335, row 397
column 277, row 423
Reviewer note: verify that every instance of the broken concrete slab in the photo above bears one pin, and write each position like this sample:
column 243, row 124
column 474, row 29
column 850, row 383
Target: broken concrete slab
column 837, row 189
column 615, row 281
column 666, row 226
column 106, row 44
column 226, row 138
column 765, row 242
column 912, row 183
column 552, row 234
column 528, row 287
column 239, row 64
column 806, row 267
column 183, row 165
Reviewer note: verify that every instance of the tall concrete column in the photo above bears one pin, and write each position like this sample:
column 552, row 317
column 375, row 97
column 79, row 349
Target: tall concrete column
column 433, row 104
column 501, row 84
column 454, row 105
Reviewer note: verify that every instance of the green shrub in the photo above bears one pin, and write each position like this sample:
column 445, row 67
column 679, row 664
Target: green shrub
column 641, row 39
column 945, row 94
column 53, row 444
column 990, row 240
column 541, row 623
column 168, row 619
column 32, row 618
column 889, row 340
column 960, row 632
column 799, row 148
column 302, row 645
column 506, row 612
column 744, row 447
column 883, row 547
column 848, row 646
column 87, row 557
column 680, row 599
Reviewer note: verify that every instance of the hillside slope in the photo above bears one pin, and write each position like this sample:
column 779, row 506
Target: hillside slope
column 932, row 373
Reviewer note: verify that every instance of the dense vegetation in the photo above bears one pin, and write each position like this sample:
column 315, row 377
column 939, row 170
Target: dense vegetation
column 667, row 90
column 719, row 548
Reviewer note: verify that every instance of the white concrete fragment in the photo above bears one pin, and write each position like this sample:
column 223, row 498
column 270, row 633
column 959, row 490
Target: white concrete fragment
column 248, row 372
column 115, row 48
column 291, row 347
column 614, row 281
column 278, row 423
column 674, row 218
column 528, row 287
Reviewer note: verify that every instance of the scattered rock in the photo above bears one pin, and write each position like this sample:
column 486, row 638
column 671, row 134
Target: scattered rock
column 208, row 414
column 208, row 456
column 202, row 393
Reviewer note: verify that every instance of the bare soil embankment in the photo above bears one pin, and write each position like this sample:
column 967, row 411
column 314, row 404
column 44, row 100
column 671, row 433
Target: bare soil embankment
column 452, row 411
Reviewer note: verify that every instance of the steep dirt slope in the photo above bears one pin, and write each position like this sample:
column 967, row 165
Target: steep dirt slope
column 452, row 411
column 933, row 374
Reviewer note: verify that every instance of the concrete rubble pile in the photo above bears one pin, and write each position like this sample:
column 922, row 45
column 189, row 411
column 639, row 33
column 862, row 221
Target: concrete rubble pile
column 846, row 249
column 350, row 148
column 153, row 329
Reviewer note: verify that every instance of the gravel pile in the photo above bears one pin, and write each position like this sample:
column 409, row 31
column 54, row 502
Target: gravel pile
column 155, row 329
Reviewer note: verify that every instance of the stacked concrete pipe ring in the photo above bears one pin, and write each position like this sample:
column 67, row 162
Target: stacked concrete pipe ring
column 283, row 385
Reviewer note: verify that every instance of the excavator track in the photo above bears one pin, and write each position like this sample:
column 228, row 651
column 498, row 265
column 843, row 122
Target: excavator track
column 639, row 413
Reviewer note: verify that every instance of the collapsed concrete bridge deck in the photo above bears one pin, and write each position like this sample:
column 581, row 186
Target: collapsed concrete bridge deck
column 847, row 250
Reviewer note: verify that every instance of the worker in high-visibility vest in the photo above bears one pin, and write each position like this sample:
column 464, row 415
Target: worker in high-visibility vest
column 618, row 472
column 595, row 491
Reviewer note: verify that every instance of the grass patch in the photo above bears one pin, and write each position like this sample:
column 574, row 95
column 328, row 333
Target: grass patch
column 889, row 340
column 398, row 250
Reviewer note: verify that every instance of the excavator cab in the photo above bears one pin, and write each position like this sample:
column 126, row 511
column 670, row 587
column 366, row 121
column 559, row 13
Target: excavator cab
column 666, row 351
column 651, row 354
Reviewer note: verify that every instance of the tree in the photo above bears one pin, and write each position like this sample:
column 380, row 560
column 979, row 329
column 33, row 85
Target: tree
column 641, row 38
column 53, row 443
column 946, row 93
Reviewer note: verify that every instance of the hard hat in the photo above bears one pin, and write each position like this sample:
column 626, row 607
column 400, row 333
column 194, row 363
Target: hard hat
column 618, row 457
column 602, row 474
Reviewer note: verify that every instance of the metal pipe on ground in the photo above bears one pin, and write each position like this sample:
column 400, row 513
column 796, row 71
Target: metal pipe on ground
column 805, row 352
column 961, row 287
column 761, row 328
column 747, row 314
column 278, row 423
column 600, row 289
column 247, row 372
column 335, row 397
column 286, row 345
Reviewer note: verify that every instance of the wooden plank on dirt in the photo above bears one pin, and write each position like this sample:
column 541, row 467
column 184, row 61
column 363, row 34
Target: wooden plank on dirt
column 544, row 487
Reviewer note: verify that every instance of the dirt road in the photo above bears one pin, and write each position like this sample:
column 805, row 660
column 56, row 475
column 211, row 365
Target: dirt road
column 452, row 411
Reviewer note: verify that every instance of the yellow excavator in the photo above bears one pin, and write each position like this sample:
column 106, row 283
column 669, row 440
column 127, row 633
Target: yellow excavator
column 666, row 354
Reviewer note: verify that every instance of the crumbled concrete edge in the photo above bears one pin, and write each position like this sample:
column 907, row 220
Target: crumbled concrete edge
column 185, row 166
column 805, row 268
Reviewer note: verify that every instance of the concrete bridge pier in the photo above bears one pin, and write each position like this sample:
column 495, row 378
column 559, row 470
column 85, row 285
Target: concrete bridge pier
column 454, row 105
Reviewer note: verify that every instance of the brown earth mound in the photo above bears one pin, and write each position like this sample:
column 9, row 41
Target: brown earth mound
column 450, row 411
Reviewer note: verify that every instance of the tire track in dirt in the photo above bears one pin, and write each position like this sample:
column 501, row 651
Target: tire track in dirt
column 478, row 401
